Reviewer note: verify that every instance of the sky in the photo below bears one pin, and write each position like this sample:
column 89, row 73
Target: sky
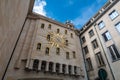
column 76, row 11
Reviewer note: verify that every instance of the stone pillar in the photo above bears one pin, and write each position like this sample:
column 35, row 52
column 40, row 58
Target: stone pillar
column 54, row 67
column 47, row 66
column 78, row 70
column 31, row 64
column 61, row 68
column 73, row 70
column 39, row 66
column 66, row 71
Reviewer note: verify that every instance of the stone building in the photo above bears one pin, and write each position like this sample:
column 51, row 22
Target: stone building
column 100, row 38
column 34, row 47
column 45, row 50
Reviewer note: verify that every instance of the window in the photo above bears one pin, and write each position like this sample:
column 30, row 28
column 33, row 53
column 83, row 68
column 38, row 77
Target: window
column 85, row 50
column 65, row 31
column 63, row 68
column 66, row 42
column 69, row 69
column 38, row 46
column 106, row 36
column 99, row 59
column 74, row 54
column 118, row 27
column 49, row 26
column 35, row 64
column 43, row 65
column 114, row 52
column 57, row 67
column 101, row 25
column 113, row 14
column 94, row 44
column 91, row 33
column 48, row 37
column 51, row 66
column 71, row 35
column 75, row 69
column 67, row 55
column 83, row 40
column 89, row 64
column 58, row 51
column 47, row 51
column 58, row 30
column 42, row 26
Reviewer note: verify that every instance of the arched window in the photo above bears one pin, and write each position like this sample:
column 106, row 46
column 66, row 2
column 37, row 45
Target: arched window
column 49, row 26
column 70, row 69
column 42, row 26
column 48, row 37
column 39, row 46
column 58, row 30
column 43, row 65
column 57, row 67
column 74, row 54
column 67, row 55
column 75, row 69
column 65, row 31
column 51, row 66
column 71, row 35
column 47, row 51
column 63, row 68
column 35, row 64
column 66, row 42
column 58, row 51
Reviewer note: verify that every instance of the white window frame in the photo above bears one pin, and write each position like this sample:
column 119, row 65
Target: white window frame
column 117, row 26
column 101, row 25
column 108, row 36
column 113, row 14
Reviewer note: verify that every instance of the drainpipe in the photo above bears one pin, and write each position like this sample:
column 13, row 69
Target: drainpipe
column 87, row 78
column 13, row 50
column 104, row 53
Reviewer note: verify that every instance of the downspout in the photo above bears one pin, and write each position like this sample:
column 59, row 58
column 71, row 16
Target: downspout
column 84, row 59
column 13, row 50
column 105, row 54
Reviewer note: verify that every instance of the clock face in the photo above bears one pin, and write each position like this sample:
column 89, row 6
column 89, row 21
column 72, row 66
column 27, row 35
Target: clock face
column 57, row 40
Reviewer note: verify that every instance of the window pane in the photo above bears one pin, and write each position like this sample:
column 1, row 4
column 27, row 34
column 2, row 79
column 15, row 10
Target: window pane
column 83, row 40
column 106, row 36
column 42, row 26
column 114, row 52
column 94, row 44
column 47, row 50
column 67, row 55
column 118, row 26
column 85, row 49
column 101, row 25
column 89, row 64
column 113, row 15
column 58, row 51
column 99, row 59
column 91, row 33
column 38, row 46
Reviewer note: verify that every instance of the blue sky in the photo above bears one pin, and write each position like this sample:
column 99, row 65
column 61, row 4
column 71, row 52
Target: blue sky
column 77, row 11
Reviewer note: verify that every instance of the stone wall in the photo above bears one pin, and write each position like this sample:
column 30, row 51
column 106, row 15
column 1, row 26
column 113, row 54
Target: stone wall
column 12, row 17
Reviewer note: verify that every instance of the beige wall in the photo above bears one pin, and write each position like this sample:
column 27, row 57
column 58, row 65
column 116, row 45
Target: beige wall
column 110, row 26
column 12, row 17
column 26, row 50
column 94, row 73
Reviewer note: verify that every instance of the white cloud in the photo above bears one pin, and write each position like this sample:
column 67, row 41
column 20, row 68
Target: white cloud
column 39, row 7
column 84, row 16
